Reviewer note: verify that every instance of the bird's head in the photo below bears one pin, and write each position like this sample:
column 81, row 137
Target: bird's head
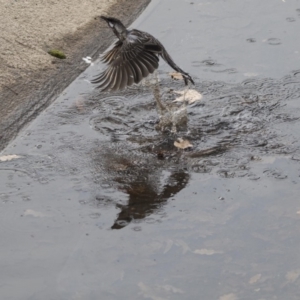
column 115, row 24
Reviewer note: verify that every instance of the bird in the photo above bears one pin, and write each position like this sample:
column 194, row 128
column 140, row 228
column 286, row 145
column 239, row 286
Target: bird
column 133, row 57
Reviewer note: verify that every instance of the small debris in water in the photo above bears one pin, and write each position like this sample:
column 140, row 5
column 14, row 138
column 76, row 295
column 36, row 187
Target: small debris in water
column 292, row 275
column 190, row 96
column 88, row 60
column 160, row 155
column 9, row 157
column 33, row 213
column 182, row 144
column 255, row 278
column 207, row 252
column 80, row 105
column 176, row 75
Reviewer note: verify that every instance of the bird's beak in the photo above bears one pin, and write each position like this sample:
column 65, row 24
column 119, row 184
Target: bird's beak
column 104, row 18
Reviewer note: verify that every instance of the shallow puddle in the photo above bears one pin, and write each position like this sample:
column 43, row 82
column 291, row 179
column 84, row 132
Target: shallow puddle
column 99, row 202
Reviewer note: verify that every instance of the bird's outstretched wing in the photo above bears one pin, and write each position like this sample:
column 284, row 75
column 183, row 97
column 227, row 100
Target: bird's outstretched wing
column 129, row 61
column 110, row 55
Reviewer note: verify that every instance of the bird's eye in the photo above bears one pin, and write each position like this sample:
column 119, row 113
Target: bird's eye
column 111, row 24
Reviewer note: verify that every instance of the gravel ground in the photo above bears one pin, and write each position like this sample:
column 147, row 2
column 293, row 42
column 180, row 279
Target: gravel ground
column 30, row 78
column 30, row 28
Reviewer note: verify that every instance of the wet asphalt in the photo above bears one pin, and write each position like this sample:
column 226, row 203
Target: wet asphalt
column 98, row 204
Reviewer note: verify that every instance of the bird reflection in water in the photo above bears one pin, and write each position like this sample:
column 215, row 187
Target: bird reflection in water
column 146, row 199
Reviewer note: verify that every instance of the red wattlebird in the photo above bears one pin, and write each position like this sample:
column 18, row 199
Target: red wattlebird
column 134, row 56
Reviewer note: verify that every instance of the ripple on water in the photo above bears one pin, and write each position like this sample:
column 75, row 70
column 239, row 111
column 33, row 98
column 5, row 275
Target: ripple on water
column 290, row 19
column 209, row 63
column 230, row 114
column 274, row 41
column 117, row 102
column 108, row 124
column 275, row 173
column 228, row 71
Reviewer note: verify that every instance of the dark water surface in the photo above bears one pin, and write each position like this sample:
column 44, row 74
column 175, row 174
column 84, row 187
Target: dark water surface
column 101, row 205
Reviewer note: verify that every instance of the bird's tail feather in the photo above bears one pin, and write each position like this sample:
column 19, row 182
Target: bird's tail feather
column 167, row 58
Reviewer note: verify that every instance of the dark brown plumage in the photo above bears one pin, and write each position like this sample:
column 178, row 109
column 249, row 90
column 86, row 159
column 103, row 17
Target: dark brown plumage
column 134, row 56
